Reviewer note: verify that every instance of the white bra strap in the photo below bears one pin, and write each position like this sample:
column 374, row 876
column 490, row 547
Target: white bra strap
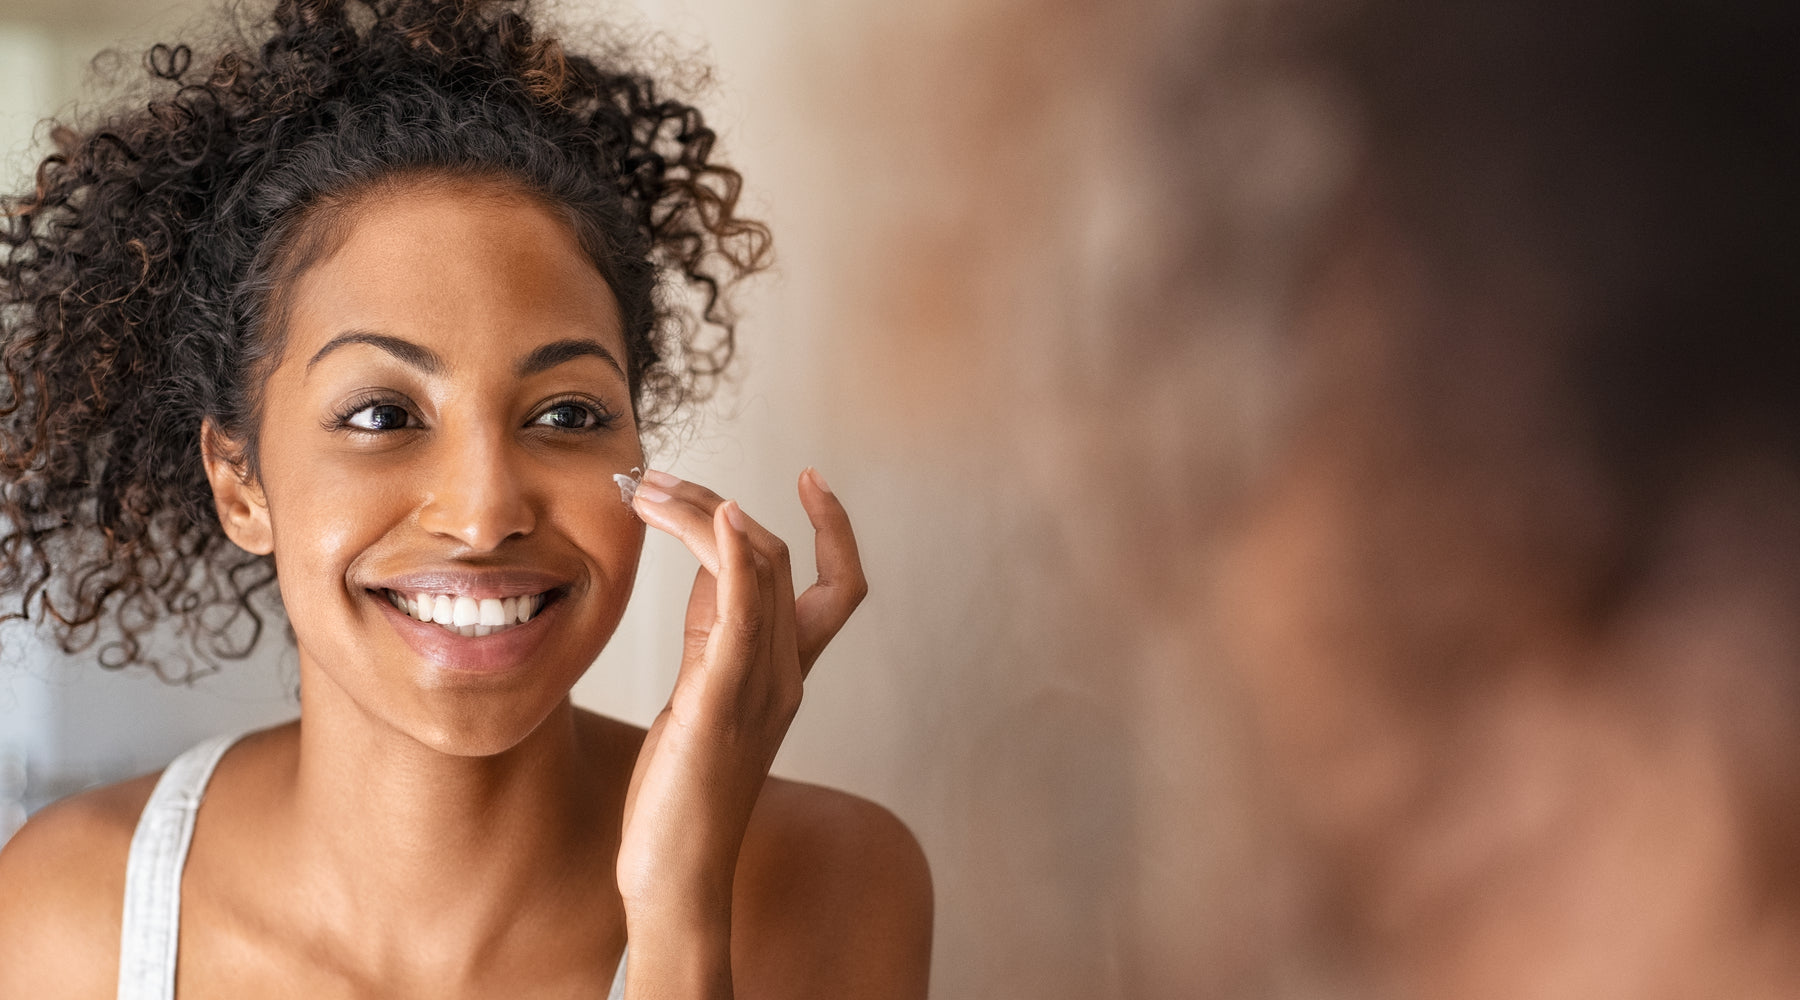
column 149, row 936
column 618, row 986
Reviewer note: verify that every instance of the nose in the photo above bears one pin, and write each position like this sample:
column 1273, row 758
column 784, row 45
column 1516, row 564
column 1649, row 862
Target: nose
column 476, row 495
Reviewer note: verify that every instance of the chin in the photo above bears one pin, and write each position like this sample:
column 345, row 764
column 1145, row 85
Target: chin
column 479, row 715
column 482, row 727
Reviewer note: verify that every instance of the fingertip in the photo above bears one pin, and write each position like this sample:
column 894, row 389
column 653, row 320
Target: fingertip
column 816, row 496
column 731, row 537
column 660, row 515
column 647, row 510
column 812, row 473
column 730, row 520
column 646, row 493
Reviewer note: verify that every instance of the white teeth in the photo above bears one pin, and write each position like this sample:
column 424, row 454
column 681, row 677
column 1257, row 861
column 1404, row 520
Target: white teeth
column 465, row 611
column 468, row 616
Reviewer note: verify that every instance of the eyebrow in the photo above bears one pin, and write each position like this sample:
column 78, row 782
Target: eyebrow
column 422, row 358
column 562, row 351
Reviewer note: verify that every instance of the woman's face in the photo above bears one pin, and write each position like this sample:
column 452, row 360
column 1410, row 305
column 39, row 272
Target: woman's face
column 441, row 431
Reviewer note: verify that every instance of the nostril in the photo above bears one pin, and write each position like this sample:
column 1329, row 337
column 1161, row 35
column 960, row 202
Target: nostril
column 480, row 519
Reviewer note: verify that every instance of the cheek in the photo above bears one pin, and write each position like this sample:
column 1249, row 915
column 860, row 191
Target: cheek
column 580, row 497
column 323, row 514
column 609, row 534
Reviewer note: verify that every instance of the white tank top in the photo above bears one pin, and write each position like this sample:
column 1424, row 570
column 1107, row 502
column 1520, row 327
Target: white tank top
column 150, row 936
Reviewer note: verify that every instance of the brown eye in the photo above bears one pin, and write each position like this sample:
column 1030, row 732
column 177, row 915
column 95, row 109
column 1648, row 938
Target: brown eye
column 569, row 416
column 380, row 417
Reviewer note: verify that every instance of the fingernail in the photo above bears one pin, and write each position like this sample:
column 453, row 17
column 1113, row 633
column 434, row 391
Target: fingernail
column 735, row 515
column 661, row 478
column 651, row 493
column 818, row 480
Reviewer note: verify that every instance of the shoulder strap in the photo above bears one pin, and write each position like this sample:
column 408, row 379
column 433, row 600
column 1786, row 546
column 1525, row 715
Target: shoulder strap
column 150, row 933
column 618, row 987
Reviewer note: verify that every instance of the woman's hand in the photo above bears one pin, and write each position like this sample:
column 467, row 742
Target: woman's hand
column 748, row 646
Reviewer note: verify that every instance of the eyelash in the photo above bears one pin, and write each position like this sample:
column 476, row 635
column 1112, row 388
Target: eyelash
column 340, row 421
column 603, row 417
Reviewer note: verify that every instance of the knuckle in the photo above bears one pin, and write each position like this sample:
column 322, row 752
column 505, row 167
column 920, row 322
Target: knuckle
column 787, row 710
column 784, row 698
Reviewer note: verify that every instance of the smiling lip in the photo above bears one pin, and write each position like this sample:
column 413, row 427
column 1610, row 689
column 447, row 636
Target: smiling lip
column 503, row 651
column 500, row 653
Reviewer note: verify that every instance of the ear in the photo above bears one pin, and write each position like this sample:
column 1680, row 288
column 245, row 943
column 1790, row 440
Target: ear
column 242, row 509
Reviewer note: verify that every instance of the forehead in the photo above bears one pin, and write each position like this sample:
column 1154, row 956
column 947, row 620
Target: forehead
column 467, row 268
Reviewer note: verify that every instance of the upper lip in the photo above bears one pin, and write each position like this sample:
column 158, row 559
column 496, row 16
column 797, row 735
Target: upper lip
column 475, row 582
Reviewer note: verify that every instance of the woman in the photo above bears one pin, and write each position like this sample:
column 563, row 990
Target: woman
column 369, row 309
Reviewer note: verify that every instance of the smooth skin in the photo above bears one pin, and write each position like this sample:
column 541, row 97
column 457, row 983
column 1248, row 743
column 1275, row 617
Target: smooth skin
column 441, row 822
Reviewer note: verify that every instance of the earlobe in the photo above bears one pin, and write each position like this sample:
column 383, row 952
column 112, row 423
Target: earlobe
column 243, row 511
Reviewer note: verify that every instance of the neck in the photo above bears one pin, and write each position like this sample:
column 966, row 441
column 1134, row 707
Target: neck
column 462, row 852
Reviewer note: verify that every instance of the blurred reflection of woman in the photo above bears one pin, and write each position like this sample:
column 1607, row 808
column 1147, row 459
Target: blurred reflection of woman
column 369, row 308
column 1518, row 602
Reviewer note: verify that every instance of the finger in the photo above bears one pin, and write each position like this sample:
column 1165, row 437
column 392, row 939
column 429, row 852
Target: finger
column 826, row 605
column 677, row 505
column 764, row 683
column 690, row 492
column 772, row 613
column 680, row 499
column 776, row 658
column 690, row 522
column 771, row 692
column 740, row 616
column 702, row 612
column 778, row 588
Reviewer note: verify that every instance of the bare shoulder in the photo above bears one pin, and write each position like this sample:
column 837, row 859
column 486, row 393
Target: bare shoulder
column 832, row 897
column 62, row 894
column 835, row 884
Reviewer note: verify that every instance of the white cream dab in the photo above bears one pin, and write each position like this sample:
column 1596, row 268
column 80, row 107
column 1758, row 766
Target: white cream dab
column 628, row 484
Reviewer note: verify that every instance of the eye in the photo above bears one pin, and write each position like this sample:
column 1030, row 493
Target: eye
column 379, row 417
column 570, row 416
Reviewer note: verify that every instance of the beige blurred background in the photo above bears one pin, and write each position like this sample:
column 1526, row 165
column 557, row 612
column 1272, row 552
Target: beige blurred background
column 1200, row 667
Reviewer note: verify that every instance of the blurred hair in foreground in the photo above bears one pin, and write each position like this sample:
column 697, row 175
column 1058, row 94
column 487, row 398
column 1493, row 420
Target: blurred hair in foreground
column 1517, row 601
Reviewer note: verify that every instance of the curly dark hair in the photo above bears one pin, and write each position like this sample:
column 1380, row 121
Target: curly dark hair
column 142, row 282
